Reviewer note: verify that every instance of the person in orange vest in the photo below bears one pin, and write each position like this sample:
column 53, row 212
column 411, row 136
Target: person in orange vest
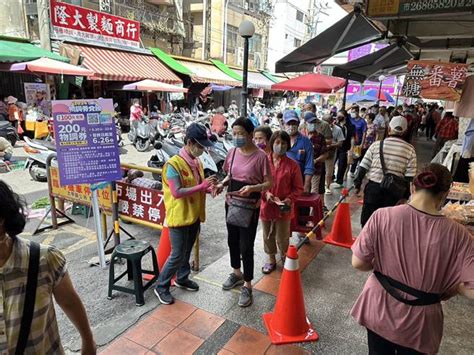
column 184, row 190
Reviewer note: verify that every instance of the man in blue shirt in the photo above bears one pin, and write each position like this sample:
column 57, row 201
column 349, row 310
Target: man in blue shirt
column 360, row 130
column 301, row 148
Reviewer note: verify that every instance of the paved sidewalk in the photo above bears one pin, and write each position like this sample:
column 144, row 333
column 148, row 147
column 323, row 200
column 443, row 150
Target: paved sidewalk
column 191, row 327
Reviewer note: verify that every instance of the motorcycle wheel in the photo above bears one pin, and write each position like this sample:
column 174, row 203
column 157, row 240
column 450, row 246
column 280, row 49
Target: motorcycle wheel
column 38, row 172
column 12, row 139
column 142, row 145
column 158, row 165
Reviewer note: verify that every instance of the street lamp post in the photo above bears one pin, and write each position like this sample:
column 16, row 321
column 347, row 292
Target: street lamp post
column 246, row 30
column 381, row 79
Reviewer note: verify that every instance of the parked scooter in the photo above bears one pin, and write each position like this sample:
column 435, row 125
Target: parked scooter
column 169, row 147
column 8, row 132
column 38, row 151
column 142, row 133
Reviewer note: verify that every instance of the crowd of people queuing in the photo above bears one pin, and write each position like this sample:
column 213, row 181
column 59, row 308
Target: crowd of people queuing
column 266, row 171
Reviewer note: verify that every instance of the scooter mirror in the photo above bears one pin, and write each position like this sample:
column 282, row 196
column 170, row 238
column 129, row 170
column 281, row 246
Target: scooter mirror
column 158, row 145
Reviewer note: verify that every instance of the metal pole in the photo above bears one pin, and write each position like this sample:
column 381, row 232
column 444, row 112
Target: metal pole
column 245, row 93
column 115, row 214
column 98, row 228
column 52, row 201
column 345, row 95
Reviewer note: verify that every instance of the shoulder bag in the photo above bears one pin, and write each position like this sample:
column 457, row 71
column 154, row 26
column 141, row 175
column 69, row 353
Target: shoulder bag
column 391, row 183
column 30, row 298
column 240, row 212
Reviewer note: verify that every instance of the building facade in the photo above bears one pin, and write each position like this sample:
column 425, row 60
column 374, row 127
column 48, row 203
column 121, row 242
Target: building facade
column 215, row 30
column 288, row 28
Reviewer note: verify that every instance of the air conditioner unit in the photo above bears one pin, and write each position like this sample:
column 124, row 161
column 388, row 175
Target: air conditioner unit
column 257, row 60
column 239, row 56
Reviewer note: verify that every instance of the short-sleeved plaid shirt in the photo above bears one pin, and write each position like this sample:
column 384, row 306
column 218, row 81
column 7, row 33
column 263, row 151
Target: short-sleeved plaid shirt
column 44, row 333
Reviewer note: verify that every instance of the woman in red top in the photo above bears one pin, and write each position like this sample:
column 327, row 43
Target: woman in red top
column 276, row 208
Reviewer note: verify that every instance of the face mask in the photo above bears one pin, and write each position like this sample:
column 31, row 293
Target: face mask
column 311, row 127
column 239, row 142
column 278, row 149
column 353, row 114
column 291, row 130
column 196, row 151
column 262, row 145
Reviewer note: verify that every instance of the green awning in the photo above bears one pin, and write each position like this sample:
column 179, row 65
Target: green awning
column 170, row 61
column 226, row 70
column 270, row 76
column 12, row 51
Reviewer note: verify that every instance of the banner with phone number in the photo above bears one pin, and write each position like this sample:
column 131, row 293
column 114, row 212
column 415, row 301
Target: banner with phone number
column 86, row 141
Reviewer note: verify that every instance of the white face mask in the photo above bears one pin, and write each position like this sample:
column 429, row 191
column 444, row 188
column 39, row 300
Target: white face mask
column 353, row 114
column 291, row 129
column 196, row 151
column 311, row 127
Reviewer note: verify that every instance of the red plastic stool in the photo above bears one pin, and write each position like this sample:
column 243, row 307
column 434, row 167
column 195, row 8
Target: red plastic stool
column 304, row 224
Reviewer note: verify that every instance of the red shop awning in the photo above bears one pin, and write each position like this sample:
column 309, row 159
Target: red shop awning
column 110, row 64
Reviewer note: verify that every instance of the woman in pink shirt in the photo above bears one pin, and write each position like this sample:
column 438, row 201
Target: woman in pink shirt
column 248, row 175
column 418, row 258
column 276, row 209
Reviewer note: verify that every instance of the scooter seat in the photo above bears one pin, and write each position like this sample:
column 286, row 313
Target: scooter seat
column 47, row 144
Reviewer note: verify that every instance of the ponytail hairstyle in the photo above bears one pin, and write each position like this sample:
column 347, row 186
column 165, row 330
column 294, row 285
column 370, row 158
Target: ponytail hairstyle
column 13, row 211
column 434, row 178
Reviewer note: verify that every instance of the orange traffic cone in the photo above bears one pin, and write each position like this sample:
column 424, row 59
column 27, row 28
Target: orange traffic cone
column 163, row 250
column 341, row 233
column 288, row 322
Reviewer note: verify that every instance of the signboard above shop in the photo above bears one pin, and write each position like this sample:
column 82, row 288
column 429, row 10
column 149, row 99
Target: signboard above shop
column 434, row 80
column 414, row 8
column 75, row 23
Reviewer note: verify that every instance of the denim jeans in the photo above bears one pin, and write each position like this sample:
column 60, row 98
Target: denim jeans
column 182, row 240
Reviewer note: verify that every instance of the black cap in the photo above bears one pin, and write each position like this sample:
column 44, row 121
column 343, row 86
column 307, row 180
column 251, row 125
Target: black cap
column 198, row 132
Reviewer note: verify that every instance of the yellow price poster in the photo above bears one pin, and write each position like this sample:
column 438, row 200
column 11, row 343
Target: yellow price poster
column 381, row 8
column 79, row 193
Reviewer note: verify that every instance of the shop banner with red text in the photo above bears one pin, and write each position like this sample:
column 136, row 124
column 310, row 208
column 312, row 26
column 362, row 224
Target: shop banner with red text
column 434, row 80
column 81, row 24
column 140, row 203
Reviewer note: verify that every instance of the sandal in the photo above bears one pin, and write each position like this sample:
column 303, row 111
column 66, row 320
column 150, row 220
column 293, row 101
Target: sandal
column 268, row 268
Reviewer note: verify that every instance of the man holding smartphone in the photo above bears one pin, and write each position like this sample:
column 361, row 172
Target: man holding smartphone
column 184, row 190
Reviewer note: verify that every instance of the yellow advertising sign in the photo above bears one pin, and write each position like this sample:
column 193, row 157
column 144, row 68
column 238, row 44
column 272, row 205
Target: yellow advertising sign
column 379, row 8
column 80, row 193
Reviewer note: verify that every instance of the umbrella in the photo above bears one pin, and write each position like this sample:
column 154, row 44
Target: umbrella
column 383, row 60
column 312, row 82
column 49, row 66
column 382, row 95
column 216, row 87
column 153, row 85
column 358, row 97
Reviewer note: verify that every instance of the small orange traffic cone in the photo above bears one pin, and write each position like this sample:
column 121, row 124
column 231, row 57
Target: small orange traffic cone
column 163, row 250
column 288, row 322
column 341, row 232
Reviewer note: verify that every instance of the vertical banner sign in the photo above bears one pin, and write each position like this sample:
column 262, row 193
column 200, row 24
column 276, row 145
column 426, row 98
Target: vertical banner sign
column 86, row 141
column 79, row 23
column 434, row 80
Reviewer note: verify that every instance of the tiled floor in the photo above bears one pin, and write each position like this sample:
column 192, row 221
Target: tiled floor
column 183, row 329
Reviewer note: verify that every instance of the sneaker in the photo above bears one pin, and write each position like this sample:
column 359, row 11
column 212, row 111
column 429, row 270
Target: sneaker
column 336, row 185
column 328, row 191
column 187, row 284
column 245, row 298
column 232, row 281
column 164, row 296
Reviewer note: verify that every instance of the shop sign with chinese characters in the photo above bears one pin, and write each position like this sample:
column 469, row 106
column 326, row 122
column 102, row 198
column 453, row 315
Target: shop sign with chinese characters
column 140, row 203
column 434, row 80
column 412, row 8
column 78, row 23
column 86, row 141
